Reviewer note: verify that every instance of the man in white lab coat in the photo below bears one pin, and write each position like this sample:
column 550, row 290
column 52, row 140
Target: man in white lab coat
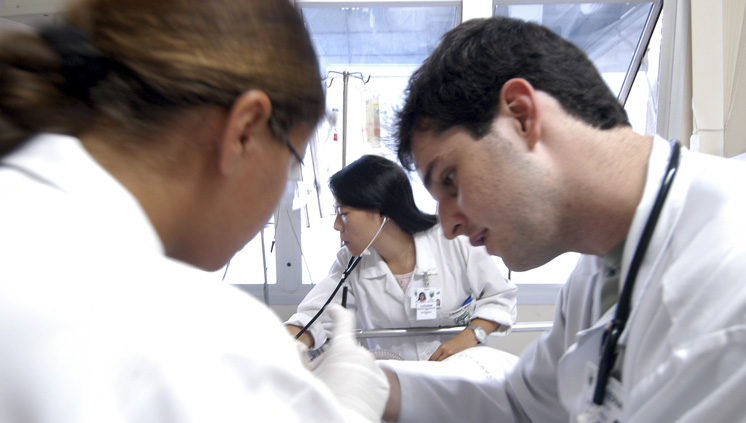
column 529, row 154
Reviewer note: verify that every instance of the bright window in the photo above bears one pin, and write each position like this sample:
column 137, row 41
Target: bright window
column 367, row 55
column 367, row 51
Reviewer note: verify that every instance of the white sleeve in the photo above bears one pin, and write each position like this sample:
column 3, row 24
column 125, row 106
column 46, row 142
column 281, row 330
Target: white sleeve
column 495, row 295
column 214, row 355
column 528, row 393
column 317, row 297
column 437, row 398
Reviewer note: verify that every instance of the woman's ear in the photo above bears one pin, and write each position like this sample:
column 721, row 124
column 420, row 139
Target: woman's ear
column 248, row 120
column 518, row 101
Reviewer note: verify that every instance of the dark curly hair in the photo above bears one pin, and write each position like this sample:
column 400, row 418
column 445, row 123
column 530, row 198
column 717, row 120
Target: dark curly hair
column 460, row 83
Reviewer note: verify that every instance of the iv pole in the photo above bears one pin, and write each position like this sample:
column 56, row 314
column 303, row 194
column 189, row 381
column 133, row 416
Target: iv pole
column 345, row 80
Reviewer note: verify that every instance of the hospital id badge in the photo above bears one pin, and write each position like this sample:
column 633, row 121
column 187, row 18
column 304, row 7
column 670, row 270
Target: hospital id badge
column 608, row 412
column 427, row 303
column 463, row 315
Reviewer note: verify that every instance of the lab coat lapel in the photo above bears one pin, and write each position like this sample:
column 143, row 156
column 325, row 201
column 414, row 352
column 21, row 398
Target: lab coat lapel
column 376, row 274
column 664, row 229
column 375, row 271
column 425, row 267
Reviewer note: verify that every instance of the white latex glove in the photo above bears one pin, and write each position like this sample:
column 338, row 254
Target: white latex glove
column 350, row 371
column 303, row 353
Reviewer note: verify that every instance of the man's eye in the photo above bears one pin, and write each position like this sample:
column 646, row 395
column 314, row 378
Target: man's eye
column 448, row 178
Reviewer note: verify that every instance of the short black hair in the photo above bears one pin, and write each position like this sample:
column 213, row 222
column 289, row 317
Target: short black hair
column 460, row 83
column 377, row 183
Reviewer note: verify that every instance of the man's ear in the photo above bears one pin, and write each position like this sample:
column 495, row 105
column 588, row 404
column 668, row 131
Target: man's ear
column 247, row 120
column 518, row 100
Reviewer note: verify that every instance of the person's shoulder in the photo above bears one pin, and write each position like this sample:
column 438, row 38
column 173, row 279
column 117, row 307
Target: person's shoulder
column 710, row 167
column 433, row 232
column 458, row 247
column 196, row 307
column 435, row 236
column 460, row 242
column 343, row 257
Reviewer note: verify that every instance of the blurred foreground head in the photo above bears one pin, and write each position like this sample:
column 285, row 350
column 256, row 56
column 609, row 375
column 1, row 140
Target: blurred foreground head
column 133, row 64
column 199, row 108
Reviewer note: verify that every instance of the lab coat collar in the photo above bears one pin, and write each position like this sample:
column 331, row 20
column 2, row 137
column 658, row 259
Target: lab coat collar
column 62, row 162
column 425, row 255
column 664, row 229
column 374, row 267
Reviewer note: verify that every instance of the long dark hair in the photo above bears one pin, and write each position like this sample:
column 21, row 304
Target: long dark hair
column 376, row 183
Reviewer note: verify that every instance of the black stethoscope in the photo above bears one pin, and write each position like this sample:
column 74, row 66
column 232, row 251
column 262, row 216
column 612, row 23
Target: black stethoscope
column 616, row 327
column 354, row 260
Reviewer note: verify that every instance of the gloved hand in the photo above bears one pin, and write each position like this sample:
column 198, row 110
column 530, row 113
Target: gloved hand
column 350, row 371
column 303, row 353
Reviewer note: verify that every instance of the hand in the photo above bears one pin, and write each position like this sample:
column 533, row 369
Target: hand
column 306, row 338
column 458, row 343
column 350, row 371
column 305, row 358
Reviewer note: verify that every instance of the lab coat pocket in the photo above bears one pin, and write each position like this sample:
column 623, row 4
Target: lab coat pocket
column 572, row 368
column 462, row 315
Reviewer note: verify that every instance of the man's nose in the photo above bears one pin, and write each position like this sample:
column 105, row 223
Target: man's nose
column 451, row 219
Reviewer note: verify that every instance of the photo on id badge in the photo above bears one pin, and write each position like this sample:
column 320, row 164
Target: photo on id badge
column 427, row 302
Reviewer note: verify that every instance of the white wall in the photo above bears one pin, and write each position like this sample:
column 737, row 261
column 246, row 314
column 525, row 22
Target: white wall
column 718, row 49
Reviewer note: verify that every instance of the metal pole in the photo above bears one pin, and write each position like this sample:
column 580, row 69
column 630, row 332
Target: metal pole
column 264, row 266
column 452, row 330
column 345, row 79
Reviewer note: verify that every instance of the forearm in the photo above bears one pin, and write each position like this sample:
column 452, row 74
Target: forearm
column 466, row 339
column 306, row 338
column 393, row 405
column 488, row 325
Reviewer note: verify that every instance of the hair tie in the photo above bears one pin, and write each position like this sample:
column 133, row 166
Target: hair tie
column 82, row 65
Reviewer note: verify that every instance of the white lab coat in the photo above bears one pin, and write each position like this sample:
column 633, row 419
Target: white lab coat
column 682, row 352
column 457, row 268
column 88, row 335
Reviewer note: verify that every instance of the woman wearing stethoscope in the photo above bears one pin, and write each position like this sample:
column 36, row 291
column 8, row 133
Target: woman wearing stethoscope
column 409, row 274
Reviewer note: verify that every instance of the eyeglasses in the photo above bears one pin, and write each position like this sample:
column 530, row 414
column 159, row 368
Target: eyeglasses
column 292, row 149
column 274, row 127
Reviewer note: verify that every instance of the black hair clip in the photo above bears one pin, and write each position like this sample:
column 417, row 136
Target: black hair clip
column 82, row 65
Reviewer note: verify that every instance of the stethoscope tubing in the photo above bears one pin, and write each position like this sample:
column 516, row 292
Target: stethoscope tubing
column 617, row 325
column 354, row 260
